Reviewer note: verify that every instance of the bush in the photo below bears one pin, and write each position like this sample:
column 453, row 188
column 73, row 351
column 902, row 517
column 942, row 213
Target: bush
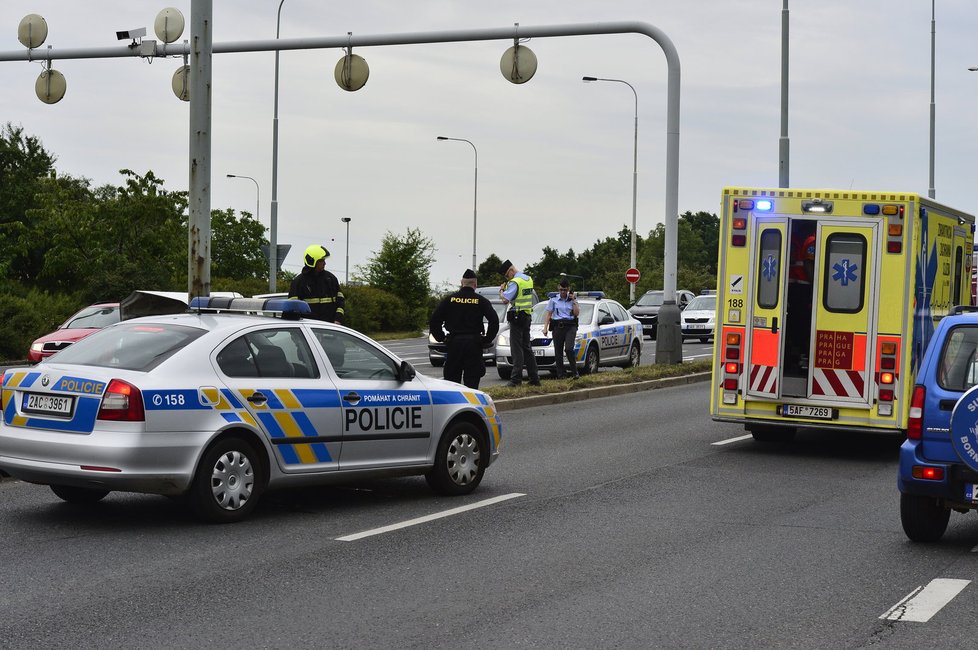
column 369, row 309
column 26, row 315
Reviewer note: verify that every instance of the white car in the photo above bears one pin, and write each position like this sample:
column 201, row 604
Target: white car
column 699, row 318
column 607, row 335
column 219, row 406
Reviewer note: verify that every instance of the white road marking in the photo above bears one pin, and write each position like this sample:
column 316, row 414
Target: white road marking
column 730, row 440
column 427, row 518
column 922, row 603
column 974, row 550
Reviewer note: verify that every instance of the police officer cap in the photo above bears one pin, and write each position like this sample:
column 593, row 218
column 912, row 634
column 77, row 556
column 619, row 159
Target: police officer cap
column 504, row 267
column 563, row 284
column 468, row 275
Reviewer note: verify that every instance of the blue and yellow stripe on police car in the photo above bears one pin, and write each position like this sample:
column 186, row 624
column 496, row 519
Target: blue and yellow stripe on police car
column 488, row 412
column 294, row 425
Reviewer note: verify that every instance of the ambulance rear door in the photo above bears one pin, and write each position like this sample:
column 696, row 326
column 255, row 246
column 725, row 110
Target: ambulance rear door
column 844, row 314
column 765, row 320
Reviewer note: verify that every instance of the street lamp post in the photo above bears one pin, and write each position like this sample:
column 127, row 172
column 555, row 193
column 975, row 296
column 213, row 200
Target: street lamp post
column 568, row 275
column 346, row 220
column 271, row 271
column 273, row 221
column 475, row 199
column 631, row 285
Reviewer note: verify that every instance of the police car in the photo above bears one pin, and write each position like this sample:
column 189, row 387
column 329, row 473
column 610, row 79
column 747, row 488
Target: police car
column 698, row 320
column 220, row 406
column 607, row 335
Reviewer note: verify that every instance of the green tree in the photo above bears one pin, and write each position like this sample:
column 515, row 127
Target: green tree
column 401, row 268
column 236, row 246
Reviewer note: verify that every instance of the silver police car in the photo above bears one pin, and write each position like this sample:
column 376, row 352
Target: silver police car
column 221, row 406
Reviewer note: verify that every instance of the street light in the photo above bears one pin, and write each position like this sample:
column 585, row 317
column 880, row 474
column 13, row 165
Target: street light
column 346, row 220
column 271, row 281
column 475, row 200
column 631, row 285
column 568, row 275
column 273, row 222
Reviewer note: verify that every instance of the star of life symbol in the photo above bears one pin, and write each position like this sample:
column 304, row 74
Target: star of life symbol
column 769, row 267
column 845, row 272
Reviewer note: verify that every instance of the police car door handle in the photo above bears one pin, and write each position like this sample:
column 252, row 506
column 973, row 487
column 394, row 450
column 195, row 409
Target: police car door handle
column 352, row 397
column 257, row 398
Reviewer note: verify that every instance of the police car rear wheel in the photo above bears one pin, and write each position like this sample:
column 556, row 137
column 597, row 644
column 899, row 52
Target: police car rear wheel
column 78, row 495
column 228, row 482
column 924, row 519
column 591, row 361
column 634, row 356
column 459, row 461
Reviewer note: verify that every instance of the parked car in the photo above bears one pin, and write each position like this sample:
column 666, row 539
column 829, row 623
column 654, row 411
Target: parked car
column 81, row 324
column 646, row 308
column 939, row 459
column 606, row 336
column 218, row 407
column 699, row 318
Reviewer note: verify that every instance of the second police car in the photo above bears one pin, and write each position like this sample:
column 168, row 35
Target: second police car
column 607, row 335
column 219, row 407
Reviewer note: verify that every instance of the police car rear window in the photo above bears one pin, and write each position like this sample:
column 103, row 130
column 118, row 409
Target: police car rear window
column 131, row 346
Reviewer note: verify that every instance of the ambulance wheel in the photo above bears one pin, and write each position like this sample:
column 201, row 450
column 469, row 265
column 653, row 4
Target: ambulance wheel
column 228, row 482
column 634, row 356
column 591, row 361
column 772, row 434
column 78, row 495
column 460, row 460
column 504, row 373
column 924, row 519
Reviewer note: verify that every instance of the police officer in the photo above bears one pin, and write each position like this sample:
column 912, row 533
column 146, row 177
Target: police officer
column 462, row 314
column 561, row 315
column 319, row 287
column 517, row 292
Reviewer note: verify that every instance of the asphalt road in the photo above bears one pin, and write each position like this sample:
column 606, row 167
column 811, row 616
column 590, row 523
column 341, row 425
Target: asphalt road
column 630, row 522
column 415, row 351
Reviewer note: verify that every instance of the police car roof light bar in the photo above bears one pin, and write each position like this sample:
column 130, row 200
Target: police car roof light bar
column 283, row 307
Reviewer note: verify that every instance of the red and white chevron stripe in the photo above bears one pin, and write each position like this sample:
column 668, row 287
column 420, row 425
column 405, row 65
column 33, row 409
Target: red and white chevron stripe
column 838, row 383
column 764, row 379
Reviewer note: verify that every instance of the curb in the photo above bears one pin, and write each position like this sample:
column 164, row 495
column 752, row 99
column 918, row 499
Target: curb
column 598, row 391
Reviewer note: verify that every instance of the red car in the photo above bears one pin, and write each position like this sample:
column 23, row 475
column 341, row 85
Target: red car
column 87, row 321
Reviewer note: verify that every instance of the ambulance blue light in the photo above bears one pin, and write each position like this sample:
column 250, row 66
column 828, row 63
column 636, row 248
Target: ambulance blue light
column 763, row 205
column 871, row 208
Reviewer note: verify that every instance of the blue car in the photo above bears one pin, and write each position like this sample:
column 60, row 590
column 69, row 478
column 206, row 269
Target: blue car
column 939, row 459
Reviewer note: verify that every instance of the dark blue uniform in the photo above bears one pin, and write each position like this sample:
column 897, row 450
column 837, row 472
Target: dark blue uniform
column 462, row 314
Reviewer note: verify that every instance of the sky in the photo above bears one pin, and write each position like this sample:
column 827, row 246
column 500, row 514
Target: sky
column 555, row 165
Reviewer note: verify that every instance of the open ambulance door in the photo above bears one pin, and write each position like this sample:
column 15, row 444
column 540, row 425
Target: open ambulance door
column 844, row 312
column 765, row 318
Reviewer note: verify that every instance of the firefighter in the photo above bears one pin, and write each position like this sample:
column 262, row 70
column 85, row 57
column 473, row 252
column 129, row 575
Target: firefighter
column 318, row 287
column 463, row 313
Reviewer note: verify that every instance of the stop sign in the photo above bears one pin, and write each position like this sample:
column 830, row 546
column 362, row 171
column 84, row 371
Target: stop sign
column 632, row 275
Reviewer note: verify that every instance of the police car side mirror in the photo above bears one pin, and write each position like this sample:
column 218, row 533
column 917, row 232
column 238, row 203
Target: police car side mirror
column 605, row 320
column 406, row 372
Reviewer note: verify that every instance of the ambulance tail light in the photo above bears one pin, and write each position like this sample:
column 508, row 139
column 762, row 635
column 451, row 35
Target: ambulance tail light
column 740, row 223
column 122, row 402
column 733, row 338
column 730, row 384
column 732, row 368
column 915, row 423
column 738, row 240
column 894, row 247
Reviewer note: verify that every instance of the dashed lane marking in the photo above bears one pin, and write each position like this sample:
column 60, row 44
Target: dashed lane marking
column 922, row 603
column 420, row 520
column 731, row 440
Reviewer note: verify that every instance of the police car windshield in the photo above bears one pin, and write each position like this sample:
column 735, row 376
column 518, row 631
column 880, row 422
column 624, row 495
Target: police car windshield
column 94, row 317
column 650, row 300
column 132, row 346
column 705, row 303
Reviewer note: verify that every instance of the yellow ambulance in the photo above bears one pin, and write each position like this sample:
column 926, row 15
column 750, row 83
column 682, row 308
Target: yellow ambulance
column 826, row 301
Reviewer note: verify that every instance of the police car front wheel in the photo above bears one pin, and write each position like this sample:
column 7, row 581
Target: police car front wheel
column 460, row 460
column 228, row 482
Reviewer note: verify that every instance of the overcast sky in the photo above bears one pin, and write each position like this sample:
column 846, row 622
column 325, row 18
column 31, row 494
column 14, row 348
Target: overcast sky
column 555, row 154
